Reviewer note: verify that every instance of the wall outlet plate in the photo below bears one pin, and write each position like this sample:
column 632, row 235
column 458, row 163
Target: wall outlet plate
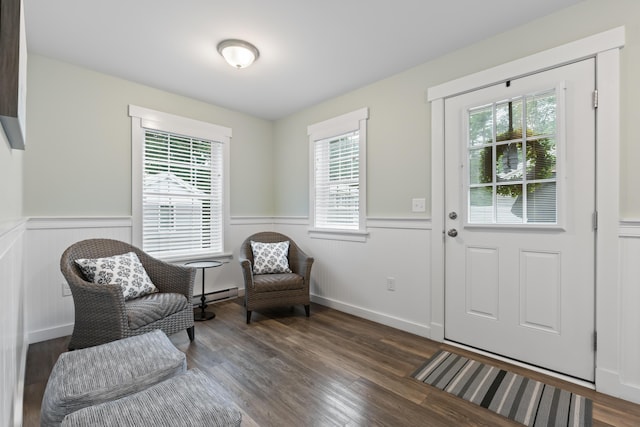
column 391, row 283
column 418, row 205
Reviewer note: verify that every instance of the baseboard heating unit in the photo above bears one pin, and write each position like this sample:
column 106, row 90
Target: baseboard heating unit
column 216, row 296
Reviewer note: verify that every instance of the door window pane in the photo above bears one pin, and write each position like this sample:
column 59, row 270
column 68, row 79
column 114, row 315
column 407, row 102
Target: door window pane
column 480, row 126
column 541, row 158
column 541, row 203
column 511, row 173
column 481, row 205
column 509, row 120
column 480, row 171
column 541, row 114
column 509, row 204
column 509, row 163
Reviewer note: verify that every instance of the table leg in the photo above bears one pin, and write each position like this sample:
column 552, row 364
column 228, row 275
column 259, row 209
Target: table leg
column 199, row 314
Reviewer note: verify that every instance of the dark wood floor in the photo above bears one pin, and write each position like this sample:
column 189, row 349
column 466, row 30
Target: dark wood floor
column 331, row 369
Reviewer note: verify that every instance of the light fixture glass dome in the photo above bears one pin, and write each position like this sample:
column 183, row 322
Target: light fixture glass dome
column 238, row 53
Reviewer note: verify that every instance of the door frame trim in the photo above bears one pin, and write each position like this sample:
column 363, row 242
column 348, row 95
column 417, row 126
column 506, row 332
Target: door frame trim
column 605, row 48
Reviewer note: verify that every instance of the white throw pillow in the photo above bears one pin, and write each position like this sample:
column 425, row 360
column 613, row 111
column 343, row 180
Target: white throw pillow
column 269, row 258
column 124, row 270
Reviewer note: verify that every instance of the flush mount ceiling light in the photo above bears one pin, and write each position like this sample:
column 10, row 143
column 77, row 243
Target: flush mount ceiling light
column 238, row 53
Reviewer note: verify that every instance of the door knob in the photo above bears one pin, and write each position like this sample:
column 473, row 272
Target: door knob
column 453, row 232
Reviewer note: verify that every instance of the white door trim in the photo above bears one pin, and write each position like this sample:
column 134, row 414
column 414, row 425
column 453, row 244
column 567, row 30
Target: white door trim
column 605, row 47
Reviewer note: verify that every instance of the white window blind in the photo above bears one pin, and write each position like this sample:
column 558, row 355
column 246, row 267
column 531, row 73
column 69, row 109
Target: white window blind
column 337, row 182
column 182, row 206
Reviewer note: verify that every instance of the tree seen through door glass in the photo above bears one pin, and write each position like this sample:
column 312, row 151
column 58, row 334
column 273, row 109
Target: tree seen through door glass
column 541, row 114
column 481, row 126
column 509, row 120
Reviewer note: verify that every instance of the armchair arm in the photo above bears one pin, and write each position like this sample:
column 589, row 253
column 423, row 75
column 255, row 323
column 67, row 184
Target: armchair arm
column 99, row 311
column 302, row 264
column 247, row 273
column 169, row 277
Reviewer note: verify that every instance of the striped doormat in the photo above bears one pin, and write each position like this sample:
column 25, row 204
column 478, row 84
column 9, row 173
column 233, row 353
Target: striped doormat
column 521, row 399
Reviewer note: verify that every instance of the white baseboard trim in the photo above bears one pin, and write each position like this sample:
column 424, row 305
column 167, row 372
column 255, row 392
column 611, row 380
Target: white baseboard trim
column 437, row 332
column 50, row 333
column 609, row 382
column 385, row 319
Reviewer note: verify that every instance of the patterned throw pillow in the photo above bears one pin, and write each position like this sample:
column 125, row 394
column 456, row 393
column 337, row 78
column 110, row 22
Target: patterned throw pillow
column 124, row 270
column 270, row 258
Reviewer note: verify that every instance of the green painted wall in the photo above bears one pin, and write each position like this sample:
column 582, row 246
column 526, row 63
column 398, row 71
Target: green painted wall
column 11, row 164
column 399, row 128
column 78, row 161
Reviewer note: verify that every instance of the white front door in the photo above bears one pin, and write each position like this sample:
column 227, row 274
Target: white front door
column 520, row 201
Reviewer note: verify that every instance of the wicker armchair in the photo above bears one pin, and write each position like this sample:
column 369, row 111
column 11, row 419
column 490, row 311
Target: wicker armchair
column 101, row 312
column 272, row 290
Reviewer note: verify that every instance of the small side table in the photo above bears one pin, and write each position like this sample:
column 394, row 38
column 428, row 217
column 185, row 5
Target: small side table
column 199, row 314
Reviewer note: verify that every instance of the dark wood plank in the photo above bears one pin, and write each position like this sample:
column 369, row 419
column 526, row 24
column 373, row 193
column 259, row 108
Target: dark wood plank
column 330, row 369
column 9, row 56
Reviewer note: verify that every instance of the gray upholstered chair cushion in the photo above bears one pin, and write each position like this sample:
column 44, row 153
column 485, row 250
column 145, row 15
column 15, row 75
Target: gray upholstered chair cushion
column 184, row 400
column 277, row 282
column 150, row 308
column 106, row 372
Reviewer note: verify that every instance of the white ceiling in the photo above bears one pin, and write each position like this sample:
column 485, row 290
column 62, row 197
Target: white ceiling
column 310, row 50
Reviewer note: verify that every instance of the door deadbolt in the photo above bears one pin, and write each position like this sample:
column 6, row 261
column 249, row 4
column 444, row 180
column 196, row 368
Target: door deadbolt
column 453, row 215
column 452, row 233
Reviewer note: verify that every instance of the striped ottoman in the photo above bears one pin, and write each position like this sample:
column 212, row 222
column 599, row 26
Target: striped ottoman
column 184, row 400
column 107, row 372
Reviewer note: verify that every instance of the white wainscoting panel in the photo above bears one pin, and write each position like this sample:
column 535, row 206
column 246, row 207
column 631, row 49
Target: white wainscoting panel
column 629, row 313
column 352, row 276
column 49, row 314
column 14, row 342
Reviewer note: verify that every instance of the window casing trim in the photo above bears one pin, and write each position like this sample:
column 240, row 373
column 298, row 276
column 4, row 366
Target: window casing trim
column 146, row 119
column 349, row 122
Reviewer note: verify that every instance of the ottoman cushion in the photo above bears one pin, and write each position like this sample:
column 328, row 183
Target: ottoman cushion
column 109, row 371
column 184, row 400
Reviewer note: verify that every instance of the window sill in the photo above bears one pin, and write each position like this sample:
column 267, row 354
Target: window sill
column 335, row 234
column 181, row 259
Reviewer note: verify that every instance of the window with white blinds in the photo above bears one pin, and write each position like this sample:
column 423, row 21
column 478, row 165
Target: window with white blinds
column 180, row 197
column 337, row 178
column 337, row 164
column 181, row 194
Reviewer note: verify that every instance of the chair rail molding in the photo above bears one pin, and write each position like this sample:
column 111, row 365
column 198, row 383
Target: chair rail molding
column 62, row 222
column 629, row 228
